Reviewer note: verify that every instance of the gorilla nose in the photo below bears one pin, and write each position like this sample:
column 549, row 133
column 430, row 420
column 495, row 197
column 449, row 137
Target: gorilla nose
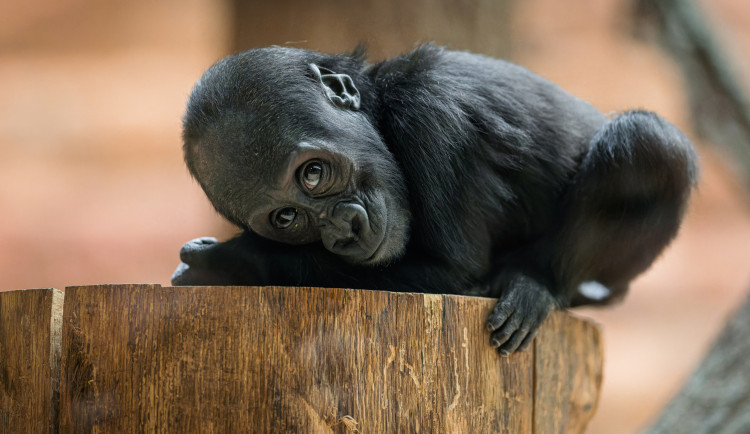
column 346, row 231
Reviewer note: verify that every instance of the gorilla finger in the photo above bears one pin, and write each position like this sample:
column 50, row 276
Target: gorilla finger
column 185, row 275
column 179, row 277
column 527, row 340
column 190, row 251
column 501, row 335
column 533, row 327
column 512, row 344
column 499, row 315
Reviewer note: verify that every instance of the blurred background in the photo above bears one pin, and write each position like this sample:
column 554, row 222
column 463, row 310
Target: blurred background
column 93, row 188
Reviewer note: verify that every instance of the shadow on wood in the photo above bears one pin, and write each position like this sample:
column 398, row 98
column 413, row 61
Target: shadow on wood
column 142, row 358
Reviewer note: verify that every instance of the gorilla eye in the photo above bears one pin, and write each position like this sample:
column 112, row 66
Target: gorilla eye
column 312, row 173
column 284, row 218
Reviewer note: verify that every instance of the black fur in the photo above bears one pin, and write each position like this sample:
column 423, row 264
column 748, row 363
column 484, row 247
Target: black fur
column 503, row 184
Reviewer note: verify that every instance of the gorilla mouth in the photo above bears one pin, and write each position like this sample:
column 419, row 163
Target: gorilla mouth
column 366, row 249
column 346, row 244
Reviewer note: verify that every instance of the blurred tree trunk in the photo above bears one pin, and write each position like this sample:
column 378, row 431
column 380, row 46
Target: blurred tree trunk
column 388, row 27
column 719, row 106
column 717, row 397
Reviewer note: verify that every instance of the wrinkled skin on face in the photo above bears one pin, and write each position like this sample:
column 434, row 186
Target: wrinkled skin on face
column 339, row 186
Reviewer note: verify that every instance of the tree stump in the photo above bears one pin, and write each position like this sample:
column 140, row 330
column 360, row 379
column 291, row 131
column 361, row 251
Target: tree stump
column 29, row 360
column 146, row 358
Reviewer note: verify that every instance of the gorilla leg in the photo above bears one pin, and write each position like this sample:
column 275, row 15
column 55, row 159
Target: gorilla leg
column 624, row 206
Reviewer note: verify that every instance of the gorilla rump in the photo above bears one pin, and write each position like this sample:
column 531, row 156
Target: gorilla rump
column 436, row 171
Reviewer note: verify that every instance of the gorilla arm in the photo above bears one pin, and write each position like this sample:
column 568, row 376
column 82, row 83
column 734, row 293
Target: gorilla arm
column 250, row 259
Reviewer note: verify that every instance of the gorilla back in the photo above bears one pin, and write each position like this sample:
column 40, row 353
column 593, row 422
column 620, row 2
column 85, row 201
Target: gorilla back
column 436, row 171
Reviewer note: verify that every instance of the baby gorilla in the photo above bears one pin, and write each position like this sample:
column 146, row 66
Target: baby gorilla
column 436, row 171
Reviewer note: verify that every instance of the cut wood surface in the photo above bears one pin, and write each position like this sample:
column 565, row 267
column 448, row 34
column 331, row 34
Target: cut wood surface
column 146, row 358
column 29, row 360
column 142, row 358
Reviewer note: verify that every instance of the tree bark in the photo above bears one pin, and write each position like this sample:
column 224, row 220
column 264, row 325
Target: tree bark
column 388, row 27
column 142, row 358
column 718, row 102
column 716, row 399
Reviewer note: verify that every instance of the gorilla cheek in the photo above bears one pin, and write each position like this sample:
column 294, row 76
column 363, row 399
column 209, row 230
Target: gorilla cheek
column 390, row 221
column 396, row 231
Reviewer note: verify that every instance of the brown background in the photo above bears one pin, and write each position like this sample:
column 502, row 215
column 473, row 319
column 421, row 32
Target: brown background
column 93, row 189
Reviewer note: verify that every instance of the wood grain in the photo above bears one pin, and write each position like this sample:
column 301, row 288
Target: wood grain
column 141, row 358
column 568, row 374
column 29, row 360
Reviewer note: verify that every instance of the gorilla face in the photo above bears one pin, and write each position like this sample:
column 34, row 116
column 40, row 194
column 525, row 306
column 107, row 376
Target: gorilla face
column 324, row 175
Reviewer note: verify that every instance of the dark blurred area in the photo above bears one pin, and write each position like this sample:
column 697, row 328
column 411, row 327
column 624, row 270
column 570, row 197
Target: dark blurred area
column 93, row 188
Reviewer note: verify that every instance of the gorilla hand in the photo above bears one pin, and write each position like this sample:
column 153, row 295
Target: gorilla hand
column 522, row 308
column 201, row 264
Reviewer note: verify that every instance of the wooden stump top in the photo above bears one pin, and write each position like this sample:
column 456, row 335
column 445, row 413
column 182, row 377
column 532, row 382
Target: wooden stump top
column 138, row 358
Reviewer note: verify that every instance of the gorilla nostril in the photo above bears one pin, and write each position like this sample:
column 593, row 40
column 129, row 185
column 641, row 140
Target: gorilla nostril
column 356, row 226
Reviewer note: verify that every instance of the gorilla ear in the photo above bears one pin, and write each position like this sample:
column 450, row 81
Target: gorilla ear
column 339, row 88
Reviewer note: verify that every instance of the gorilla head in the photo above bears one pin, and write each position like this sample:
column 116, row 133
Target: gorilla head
column 323, row 174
